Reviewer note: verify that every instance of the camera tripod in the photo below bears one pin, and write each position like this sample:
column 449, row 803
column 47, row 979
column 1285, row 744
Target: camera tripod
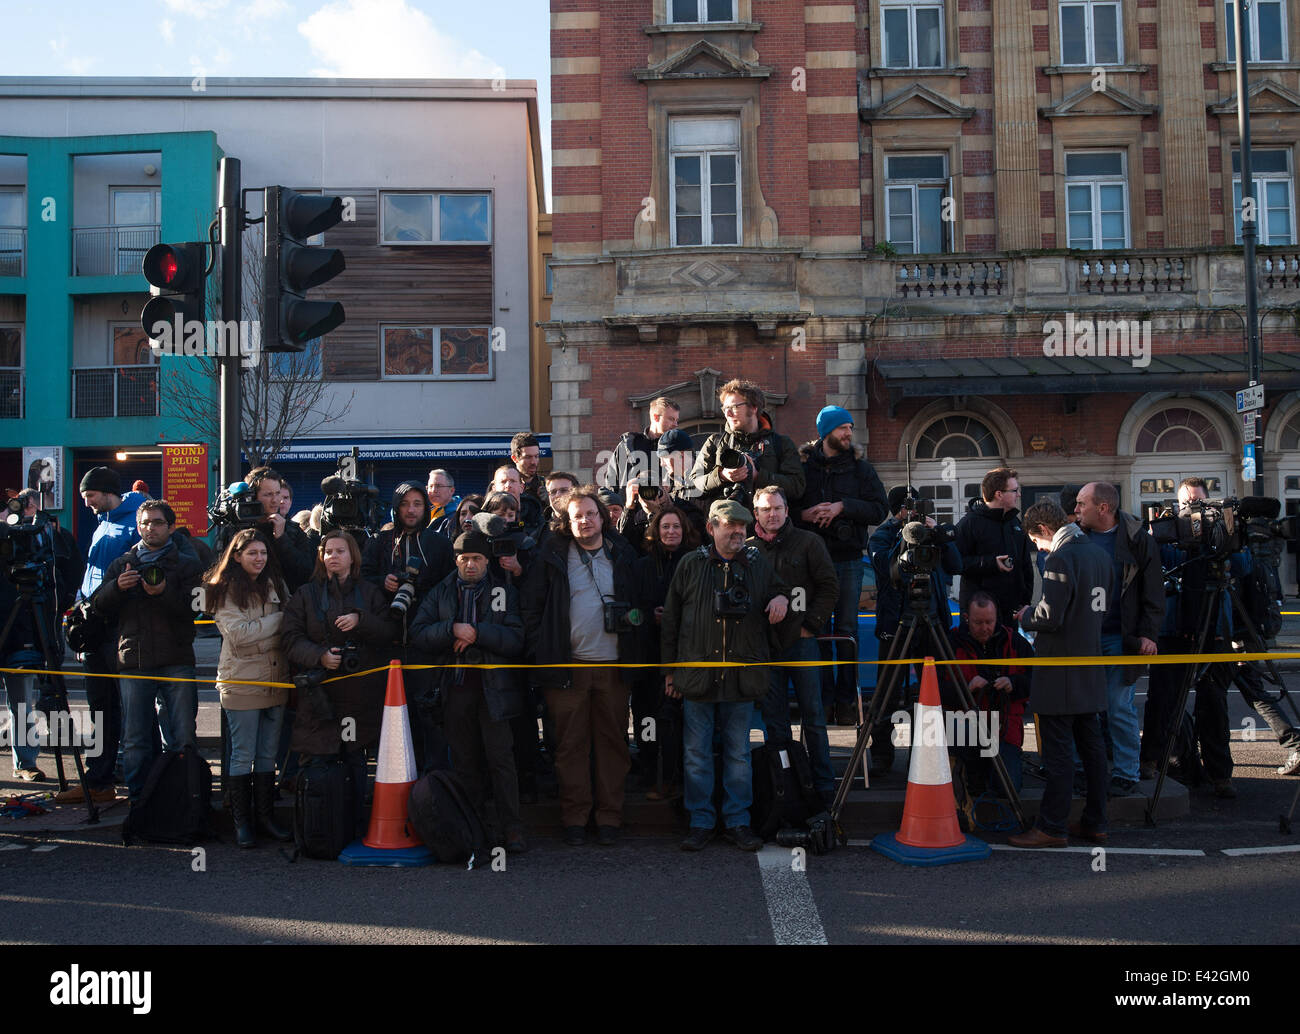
column 917, row 620
column 54, row 694
column 1217, row 582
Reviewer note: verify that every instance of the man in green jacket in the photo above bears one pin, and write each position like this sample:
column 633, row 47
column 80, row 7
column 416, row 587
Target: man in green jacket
column 721, row 605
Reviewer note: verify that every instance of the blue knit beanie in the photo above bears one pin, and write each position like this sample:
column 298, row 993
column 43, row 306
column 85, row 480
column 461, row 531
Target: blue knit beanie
column 830, row 418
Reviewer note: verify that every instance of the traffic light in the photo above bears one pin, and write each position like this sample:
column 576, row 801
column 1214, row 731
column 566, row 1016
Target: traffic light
column 292, row 268
column 177, row 275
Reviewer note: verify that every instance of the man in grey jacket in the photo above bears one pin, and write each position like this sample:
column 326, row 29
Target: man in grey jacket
column 1067, row 701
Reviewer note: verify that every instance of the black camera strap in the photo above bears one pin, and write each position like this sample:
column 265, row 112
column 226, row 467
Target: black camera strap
column 320, row 590
column 587, row 563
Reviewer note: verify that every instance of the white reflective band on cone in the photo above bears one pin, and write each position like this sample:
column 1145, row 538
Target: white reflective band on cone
column 929, row 764
column 396, row 762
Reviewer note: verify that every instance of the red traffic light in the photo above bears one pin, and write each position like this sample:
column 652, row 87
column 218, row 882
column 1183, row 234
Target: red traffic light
column 164, row 266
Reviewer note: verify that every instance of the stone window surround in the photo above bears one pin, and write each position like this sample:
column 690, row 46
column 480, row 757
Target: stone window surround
column 949, row 145
column 1092, row 134
column 1128, row 24
column 948, row 51
column 744, row 17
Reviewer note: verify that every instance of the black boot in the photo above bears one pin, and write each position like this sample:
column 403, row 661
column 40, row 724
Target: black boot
column 241, row 806
column 264, row 795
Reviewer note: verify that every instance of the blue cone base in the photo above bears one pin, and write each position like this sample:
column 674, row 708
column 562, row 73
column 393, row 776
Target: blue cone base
column 357, row 853
column 972, row 850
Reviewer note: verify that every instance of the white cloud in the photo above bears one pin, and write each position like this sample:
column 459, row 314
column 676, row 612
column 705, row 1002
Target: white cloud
column 262, row 10
column 389, row 39
column 168, row 29
column 196, row 8
column 72, row 64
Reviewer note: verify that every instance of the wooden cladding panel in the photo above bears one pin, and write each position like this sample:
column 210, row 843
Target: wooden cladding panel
column 425, row 285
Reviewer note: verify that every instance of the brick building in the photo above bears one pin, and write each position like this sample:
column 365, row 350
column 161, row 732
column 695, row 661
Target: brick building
column 930, row 213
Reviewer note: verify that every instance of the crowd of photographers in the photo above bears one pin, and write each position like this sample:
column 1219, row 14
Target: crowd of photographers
column 749, row 549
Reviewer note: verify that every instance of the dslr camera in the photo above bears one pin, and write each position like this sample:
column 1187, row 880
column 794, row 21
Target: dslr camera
column 311, row 691
column 350, row 657
column 405, row 594
column 733, row 602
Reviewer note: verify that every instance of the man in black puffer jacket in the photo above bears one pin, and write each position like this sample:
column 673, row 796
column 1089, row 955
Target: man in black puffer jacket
column 842, row 498
column 994, row 549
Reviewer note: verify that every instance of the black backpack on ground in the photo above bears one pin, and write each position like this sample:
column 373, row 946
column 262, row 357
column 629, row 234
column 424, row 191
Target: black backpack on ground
column 325, row 807
column 784, row 797
column 442, row 816
column 175, row 806
column 1185, row 758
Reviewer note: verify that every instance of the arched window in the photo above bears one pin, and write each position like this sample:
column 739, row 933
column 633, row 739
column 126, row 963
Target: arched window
column 1289, row 439
column 961, row 437
column 1178, row 429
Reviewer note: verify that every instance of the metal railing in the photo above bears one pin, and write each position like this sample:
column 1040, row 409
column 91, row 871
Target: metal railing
column 13, row 250
column 114, row 391
column 11, row 394
column 111, row 250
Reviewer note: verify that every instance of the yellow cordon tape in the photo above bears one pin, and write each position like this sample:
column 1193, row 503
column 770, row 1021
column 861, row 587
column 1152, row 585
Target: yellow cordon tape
column 1009, row 662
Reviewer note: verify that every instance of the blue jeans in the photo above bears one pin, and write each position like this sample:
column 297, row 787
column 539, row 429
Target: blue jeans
column 254, row 738
column 19, row 690
column 177, row 707
column 732, row 721
column 1122, row 728
column 776, row 712
column 840, row 683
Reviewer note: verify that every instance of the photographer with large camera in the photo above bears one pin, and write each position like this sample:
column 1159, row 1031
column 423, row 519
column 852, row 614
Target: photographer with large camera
column 1067, row 702
column 802, row 562
column 472, row 617
column 235, row 510
column 668, row 485
column 748, row 454
column 411, row 557
column 995, row 554
column 336, row 625
column 842, row 498
column 1200, row 541
column 892, row 560
column 1133, row 616
column 245, row 593
column 531, row 514
column 634, row 455
column 577, row 604
column 512, row 547
column 148, row 593
column 40, row 571
column 721, row 606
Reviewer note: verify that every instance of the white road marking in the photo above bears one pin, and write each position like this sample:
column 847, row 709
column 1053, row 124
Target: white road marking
column 1286, row 849
column 44, row 847
column 790, row 904
column 13, row 847
column 1177, row 852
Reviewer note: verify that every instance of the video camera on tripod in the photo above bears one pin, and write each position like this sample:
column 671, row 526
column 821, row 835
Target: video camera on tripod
column 26, row 548
column 1220, row 527
column 350, row 504
column 922, row 547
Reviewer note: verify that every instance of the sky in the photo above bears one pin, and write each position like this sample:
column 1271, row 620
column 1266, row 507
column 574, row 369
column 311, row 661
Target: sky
column 426, row 39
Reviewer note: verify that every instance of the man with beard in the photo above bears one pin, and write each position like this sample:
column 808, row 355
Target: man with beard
column 748, row 454
column 842, row 498
column 722, row 600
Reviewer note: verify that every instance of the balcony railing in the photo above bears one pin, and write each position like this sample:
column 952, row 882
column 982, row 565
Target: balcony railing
column 11, row 394
column 1127, row 273
column 13, row 250
column 115, row 391
column 111, row 250
column 950, row 278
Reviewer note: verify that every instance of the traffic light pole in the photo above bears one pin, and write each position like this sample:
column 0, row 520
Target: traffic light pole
column 1249, row 227
column 232, row 265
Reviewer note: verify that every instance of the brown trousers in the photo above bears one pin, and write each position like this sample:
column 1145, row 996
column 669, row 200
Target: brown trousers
column 590, row 719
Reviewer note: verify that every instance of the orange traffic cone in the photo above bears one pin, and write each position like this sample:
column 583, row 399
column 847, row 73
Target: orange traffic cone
column 389, row 840
column 930, row 834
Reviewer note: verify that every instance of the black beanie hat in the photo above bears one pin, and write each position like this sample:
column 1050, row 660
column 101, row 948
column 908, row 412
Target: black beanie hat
column 473, row 541
column 102, row 479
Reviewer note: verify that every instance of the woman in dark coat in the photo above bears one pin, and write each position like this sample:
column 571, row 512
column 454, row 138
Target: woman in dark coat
column 338, row 607
column 669, row 537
